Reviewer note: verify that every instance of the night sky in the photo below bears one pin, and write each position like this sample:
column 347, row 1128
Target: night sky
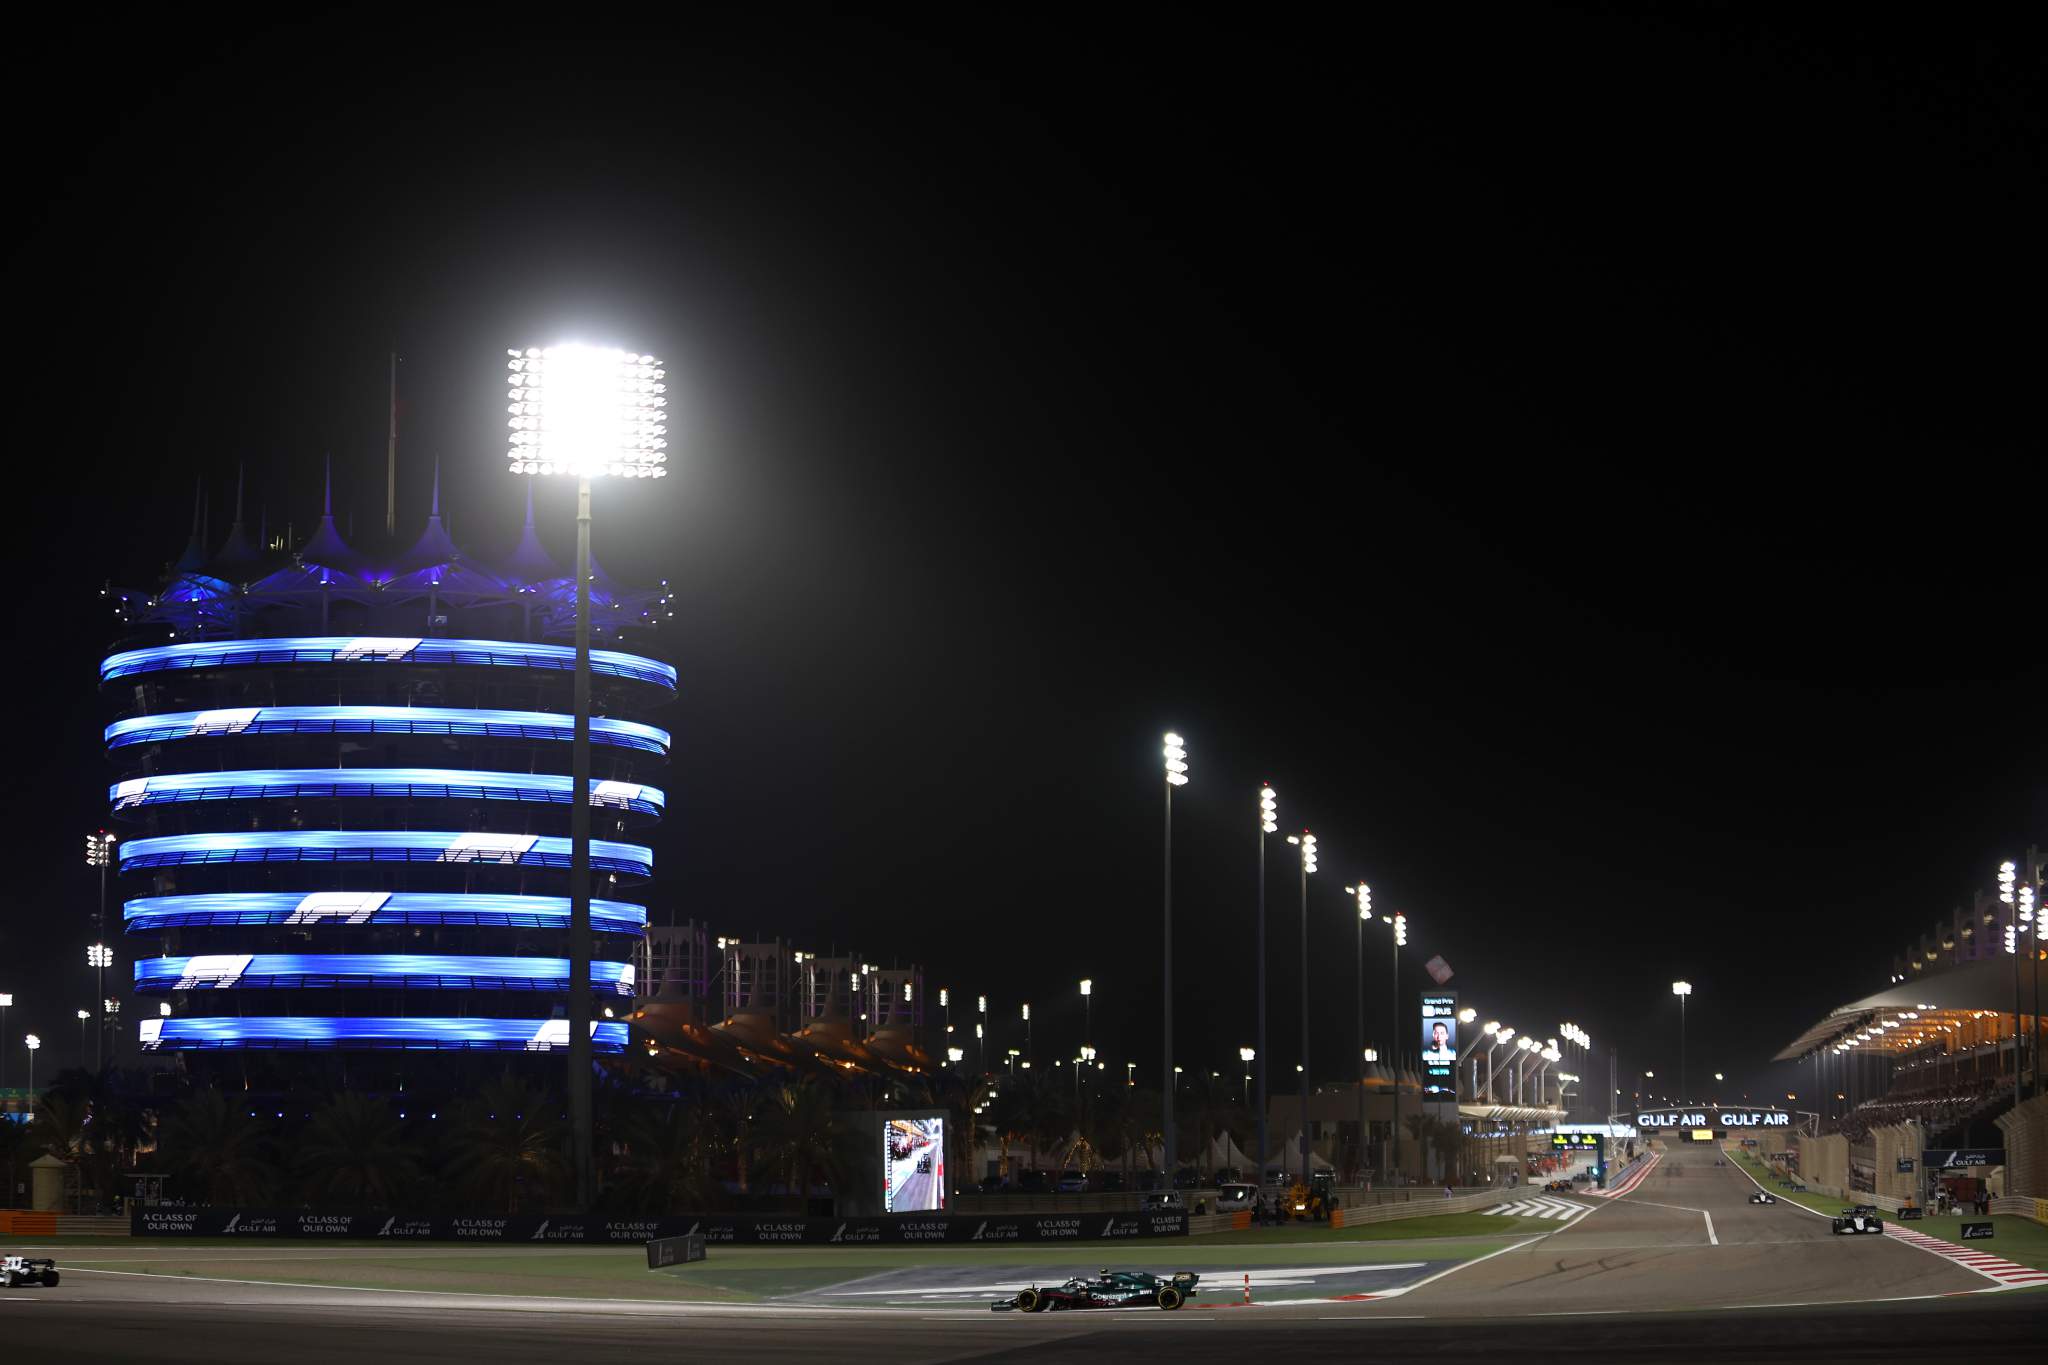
column 1586, row 459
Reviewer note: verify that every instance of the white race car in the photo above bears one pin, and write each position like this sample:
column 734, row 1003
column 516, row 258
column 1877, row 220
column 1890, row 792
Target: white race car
column 1763, row 1197
column 1862, row 1218
column 16, row 1270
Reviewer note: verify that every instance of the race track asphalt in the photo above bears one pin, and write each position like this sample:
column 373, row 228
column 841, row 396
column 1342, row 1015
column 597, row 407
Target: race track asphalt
column 1639, row 1278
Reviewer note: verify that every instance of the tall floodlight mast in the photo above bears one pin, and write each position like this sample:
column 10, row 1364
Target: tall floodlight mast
column 585, row 412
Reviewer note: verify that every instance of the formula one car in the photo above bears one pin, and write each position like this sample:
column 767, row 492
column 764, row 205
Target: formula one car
column 1110, row 1289
column 1763, row 1197
column 1862, row 1218
column 1558, row 1187
column 16, row 1270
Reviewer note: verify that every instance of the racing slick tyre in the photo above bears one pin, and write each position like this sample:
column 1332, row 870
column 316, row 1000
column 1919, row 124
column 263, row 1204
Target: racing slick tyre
column 1170, row 1297
column 50, row 1279
column 1030, row 1301
column 11, row 1279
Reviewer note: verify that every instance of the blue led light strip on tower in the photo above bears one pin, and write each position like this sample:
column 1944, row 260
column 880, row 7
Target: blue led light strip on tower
column 381, row 720
column 380, row 846
column 228, row 909
column 409, row 1033
column 371, row 971
column 374, row 649
column 397, row 783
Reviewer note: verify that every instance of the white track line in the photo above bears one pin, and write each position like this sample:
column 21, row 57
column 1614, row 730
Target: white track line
column 1685, row 1208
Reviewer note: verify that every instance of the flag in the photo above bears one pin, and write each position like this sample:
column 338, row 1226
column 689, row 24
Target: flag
column 1438, row 969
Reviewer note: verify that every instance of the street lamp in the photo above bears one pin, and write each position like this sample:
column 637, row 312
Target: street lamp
column 32, row 1043
column 99, row 957
column 585, row 412
column 1682, row 989
column 1307, row 844
column 1363, row 893
column 1245, row 1055
column 1504, row 1034
column 1176, row 776
column 1130, row 1075
column 1269, row 823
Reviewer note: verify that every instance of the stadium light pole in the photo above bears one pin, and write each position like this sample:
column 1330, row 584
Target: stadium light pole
column 1176, row 776
column 6, row 1003
column 2007, row 872
column 1682, row 989
column 981, row 1033
column 1363, row 894
column 1269, row 823
column 1245, row 1055
column 1087, row 1009
column 585, row 412
column 84, row 1018
column 2030, row 921
column 99, row 851
column 99, row 957
column 1028, row 1054
column 1398, row 922
column 1307, row 844
column 32, row 1043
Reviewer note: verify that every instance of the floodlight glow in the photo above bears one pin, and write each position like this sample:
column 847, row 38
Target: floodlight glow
column 1490, row 1028
column 1308, row 850
column 84, row 1015
column 586, row 411
column 1681, row 988
column 1087, row 986
column 99, row 955
column 1176, row 761
column 1269, row 811
column 1364, row 895
column 1467, row 1015
column 1400, row 930
column 945, row 997
column 1245, row 1054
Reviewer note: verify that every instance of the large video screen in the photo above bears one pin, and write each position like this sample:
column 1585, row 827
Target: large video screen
column 1439, row 1041
column 914, row 1165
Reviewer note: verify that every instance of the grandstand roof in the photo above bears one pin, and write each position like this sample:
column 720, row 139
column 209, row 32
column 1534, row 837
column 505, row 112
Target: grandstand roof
column 1906, row 1015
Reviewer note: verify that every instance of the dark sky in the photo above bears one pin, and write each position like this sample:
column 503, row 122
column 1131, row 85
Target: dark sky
column 1587, row 459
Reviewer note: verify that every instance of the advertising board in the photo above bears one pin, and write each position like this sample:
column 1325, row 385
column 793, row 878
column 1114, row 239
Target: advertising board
column 914, row 1164
column 748, row 1229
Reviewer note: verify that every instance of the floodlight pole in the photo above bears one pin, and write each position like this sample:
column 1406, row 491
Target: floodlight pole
column 1166, row 1138
column 1304, row 1013
column 1259, row 1060
column 579, row 872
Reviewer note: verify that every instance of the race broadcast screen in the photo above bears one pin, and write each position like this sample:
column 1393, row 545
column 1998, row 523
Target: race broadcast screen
column 914, row 1165
column 1439, row 1040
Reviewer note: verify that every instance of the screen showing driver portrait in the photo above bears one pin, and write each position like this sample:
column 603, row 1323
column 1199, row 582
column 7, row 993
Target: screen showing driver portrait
column 1439, row 1035
column 914, row 1165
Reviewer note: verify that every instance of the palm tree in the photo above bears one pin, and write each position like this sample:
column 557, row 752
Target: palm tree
column 355, row 1152
column 667, row 1157
column 217, row 1151
column 802, row 1137
column 508, row 1143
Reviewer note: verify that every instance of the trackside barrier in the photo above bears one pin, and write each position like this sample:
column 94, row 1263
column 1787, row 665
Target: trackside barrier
column 668, row 1251
column 756, row 1229
column 2036, row 1209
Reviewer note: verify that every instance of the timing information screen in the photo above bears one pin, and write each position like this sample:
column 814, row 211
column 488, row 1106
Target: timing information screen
column 914, row 1165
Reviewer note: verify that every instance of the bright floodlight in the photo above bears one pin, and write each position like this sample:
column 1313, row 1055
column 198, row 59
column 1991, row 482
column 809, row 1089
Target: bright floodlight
column 1269, row 811
column 99, row 955
column 6, row 1000
column 1506, row 1033
column 1176, row 761
column 1681, row 988
column 1719, row 1077
column 586, row 411
column 1525, row 1042
column 84, row 1015
column 1087, row 986
column 1467, row 1015
column 2006, row 874
column 1027, row 1011
column 1364, row 894
column 1490, row 1028
column 945, row 997
column 31, row 1042
column 164, row 1010
column 99, row 849
column 981, row 1004
column 1308, row 849
column 1245, row 1054
column 1400, row 930
column 954, row 1054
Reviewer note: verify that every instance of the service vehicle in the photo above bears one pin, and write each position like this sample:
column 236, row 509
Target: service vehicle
column 1230, row 1198
column 16, row 1270
column 1763, row 1197
column 1110, row 1289
column 1073, row 1182
column 1312, row 1202
column 1162, row 1201
column 1862, row 1218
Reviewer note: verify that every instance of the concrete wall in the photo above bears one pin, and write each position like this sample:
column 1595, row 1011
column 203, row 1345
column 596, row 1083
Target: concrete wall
column 1899, row 1140
column 2026, row 1149
column 1824, row 1160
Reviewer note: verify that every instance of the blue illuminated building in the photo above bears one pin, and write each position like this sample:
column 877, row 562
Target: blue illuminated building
column 339, row 779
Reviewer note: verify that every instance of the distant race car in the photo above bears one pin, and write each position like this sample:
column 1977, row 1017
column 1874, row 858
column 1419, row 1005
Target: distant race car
column 1558, row 1187
column 16, row 1270
column 1862, row 1218
column 1110, row 1289
column 1763, row 1197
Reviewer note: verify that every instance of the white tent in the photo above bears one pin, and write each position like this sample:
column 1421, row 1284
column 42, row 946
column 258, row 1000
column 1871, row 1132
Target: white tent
column 1224, row 1151
column 1288, row 1158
